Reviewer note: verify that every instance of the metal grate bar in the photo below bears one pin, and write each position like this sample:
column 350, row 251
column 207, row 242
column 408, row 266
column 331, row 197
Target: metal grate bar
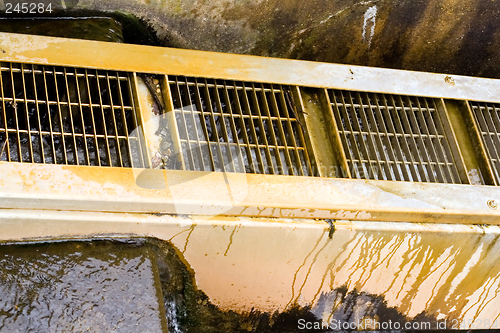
column 402, row 150
column 250, row 164
column 190, row 132
column 238, row 127
column 260, row 124
column 254, row 150
column 198, row 147
column 117, row 130
column 408, row 147
column 293, row 133
column 39, row 124
column 199, row 105
column 360, row 150
column 487, row 117
column 93, row 122
column 270, row 128
column 393, row 137
column 51, row 148
column 416, row 125
column 441, row 152
column 105, row 155
column 67, row 109
column 14, row 106
column 182, row 125
column 135, row 140
column 373, row 146
column 240, row 150
column 386, row 149
column 59, row 119
column 62, row 115
column 216, row 123
column 227, row 134
column 281, row 133
column 377, row 145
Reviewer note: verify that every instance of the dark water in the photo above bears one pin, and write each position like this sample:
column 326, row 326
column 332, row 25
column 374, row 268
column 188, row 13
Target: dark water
column 118, row 27
column 98, row 286
column 103, row 29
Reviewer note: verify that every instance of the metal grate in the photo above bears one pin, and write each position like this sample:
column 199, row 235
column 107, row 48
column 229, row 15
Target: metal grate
column 238, row 127
column 487, row 117
column 57, row 115
column 393, row 137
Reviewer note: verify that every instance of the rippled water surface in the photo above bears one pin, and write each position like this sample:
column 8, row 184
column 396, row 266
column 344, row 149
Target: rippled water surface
column 94, row 28
column 78, row 286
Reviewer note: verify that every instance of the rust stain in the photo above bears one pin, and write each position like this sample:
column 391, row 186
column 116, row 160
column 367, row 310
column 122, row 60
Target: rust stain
column 358, row 239
column 191, row 229
column 328, row 269
column 313, row 261
column 180, row 232
column 396, row 248
column 484, row 303
column 300, row 267
column 231, row 239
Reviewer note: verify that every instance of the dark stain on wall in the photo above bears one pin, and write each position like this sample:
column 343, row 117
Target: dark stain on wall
column 446, row 36
column 394, row 39
column 478, row 54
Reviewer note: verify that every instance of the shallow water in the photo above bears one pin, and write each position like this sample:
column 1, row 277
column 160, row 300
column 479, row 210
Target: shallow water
column 78, row 286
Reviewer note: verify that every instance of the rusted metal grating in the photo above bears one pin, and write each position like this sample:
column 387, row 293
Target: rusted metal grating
column 239, row 127
column 58, row 115
column 393, row 137
column 487, row 118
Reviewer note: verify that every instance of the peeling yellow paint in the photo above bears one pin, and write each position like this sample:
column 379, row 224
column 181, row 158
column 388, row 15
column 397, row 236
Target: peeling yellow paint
column 17, row 43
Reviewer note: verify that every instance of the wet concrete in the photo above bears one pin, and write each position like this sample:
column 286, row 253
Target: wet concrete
column 459, row 37
column 132, row 285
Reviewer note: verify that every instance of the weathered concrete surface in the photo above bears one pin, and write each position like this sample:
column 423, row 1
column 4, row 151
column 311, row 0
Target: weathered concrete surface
column 449, row 36
column 375, row 270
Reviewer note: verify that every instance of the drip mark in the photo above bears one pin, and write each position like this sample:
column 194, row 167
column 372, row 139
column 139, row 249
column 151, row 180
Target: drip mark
column 191, row 229
column 230, row 240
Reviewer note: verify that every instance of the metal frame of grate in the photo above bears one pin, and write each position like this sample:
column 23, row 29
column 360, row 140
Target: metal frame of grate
column 487, row 118
column 393, row 137
column 239, row 127
column 62, row 115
